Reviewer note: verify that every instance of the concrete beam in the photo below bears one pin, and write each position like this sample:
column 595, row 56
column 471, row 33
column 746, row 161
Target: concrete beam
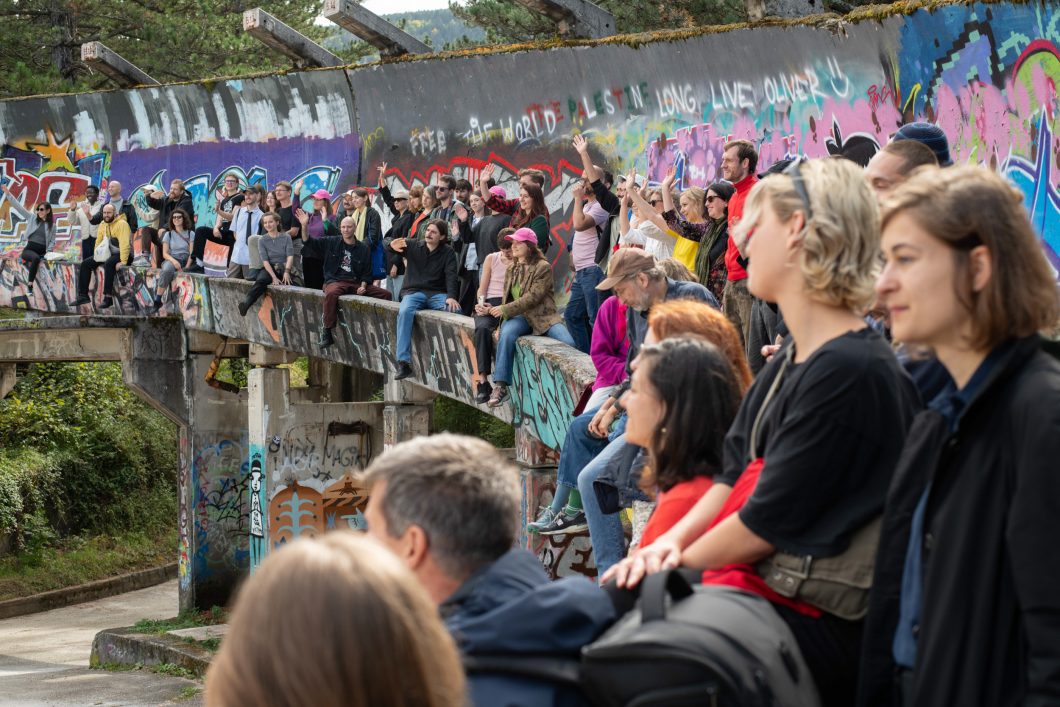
column 302, row 50
column 118, row 69
column 7, row 379
column 574, row 18
column 385, row 36
column 33, row 345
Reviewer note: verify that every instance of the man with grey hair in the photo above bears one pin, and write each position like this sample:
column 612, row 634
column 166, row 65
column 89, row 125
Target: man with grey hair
column 448, row 506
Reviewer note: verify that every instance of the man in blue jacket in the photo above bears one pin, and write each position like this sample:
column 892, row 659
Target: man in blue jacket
column 448, row 506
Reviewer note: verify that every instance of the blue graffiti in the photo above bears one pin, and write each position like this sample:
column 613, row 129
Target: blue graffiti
column 1041, row 199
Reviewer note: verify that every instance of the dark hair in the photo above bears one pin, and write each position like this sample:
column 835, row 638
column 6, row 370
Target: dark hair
column 443, row 227
column 609, row 178
column 449, row 181
column 188, row 225
column 700, row 396
column 914, row 154
column 463, row 184
column 537, row 209
column 746, row 151
column 51, row 213
column 93, row 187
column 502, row 242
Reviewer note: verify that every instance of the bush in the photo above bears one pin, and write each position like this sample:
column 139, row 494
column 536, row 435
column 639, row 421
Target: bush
column 114, row 458
column 453, row 416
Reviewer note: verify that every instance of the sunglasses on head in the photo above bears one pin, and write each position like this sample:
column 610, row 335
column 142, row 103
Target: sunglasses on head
column 794, row 170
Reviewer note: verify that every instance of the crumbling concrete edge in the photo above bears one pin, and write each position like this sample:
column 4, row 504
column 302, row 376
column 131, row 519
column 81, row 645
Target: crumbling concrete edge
column 125, row 647
column 90, row 591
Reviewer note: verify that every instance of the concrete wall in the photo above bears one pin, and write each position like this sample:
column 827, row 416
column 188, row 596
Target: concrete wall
column 985, row 73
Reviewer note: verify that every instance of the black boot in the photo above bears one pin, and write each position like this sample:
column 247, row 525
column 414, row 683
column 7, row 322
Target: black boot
column 326, row 339
column 404, row 370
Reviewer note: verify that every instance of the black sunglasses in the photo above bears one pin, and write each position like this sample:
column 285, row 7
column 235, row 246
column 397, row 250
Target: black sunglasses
column 794, row 170
column 653, row 202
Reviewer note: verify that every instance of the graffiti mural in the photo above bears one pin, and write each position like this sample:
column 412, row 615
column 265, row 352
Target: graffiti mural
column 545, row 393
column 220, row 476
column 560, row 555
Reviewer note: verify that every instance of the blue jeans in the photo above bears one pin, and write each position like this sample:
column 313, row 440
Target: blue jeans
column 579, row 448
column 410, row 304
column 584, row 302
column 511, row 330
column 605, row 530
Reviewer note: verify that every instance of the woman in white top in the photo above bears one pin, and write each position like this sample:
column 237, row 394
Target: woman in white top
column 647, row 229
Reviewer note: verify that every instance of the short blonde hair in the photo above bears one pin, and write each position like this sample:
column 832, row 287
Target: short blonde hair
column 840, row 249
column 965, row 207
column 335, row 621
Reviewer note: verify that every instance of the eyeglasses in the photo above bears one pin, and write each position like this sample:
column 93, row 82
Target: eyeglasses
column 42, row 208
column 180, row 216
column 653, row 202
column 441, row 188
column 712, row 199
column 794, row 170
column 281, row 189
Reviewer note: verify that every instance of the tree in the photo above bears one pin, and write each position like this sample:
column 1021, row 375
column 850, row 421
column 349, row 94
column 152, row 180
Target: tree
column 506, row 21
column 172, row 40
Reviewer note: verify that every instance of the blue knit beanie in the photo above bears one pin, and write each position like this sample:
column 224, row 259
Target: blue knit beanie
column 929, row 135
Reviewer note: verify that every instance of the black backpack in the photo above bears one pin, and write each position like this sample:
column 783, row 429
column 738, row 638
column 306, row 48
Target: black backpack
column 703, row 645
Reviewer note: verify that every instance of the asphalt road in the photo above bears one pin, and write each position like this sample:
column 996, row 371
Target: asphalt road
column 44, row 657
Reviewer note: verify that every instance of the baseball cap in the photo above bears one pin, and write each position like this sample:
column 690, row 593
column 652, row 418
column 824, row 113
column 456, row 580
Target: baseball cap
column 522, row 234
column 400, row 194
column 626, row 263
column 322, row 194
column 929, row 135
column 499, row 192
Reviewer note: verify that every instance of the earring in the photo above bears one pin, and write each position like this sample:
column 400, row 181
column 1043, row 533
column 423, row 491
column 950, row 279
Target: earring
column 662, row 430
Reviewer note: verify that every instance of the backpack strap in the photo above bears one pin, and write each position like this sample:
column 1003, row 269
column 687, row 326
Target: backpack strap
column 560, row 670
column 656, row 587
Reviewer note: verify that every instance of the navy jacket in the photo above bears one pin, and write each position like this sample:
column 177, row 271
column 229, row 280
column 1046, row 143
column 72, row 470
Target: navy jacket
column 511, row 608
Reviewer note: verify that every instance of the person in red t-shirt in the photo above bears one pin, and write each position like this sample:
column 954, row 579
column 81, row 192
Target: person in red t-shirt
column 739, row 160
column 684, row 449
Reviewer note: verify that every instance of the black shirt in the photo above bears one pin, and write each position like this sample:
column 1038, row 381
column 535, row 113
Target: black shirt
column 430, row 272
column 342, row 261
column 831, row 437
column 228, row 205
column 288, row 221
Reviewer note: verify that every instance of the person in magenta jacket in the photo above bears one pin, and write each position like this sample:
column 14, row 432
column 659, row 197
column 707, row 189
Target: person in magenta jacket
column 608, row 350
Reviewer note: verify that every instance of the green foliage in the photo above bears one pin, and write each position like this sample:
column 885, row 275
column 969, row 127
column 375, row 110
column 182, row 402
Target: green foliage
column 28, row 478
column 505, row 21
column 172, row 40
column 453, row 416
column 114, row 456
column 76, row 559
column 186, row 619
column 172, row 670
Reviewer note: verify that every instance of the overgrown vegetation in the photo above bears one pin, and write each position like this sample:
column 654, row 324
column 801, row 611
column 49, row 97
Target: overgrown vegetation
column 453, row 416
column 88, row 485
column 187, row 619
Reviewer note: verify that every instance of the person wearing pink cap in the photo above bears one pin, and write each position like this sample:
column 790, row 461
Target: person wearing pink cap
column 528, row 306
column 317, row 224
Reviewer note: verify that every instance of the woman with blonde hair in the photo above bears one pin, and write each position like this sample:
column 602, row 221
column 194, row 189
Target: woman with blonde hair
column 812, row 450
column 965, row 608
column 335, row 621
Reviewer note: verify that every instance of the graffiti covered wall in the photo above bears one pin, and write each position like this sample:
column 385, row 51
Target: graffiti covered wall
column 297, row 126
column 987, row 74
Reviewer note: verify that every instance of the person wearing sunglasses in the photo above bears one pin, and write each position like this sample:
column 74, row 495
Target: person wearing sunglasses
column 178, row 239
column 40, row 234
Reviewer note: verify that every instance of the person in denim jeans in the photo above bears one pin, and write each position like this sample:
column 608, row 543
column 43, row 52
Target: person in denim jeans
column 528, row 307
column 588, row 218
column 639, row 283
column 430, row 283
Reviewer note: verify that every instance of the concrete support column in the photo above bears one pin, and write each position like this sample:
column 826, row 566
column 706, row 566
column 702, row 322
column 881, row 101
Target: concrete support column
column 7, row 379
column 407, row 413
column 304, row 462
column 341, row 383
column 560, row 555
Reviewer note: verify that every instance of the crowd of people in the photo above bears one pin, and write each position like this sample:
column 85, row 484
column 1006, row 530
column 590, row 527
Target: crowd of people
column 858, row 431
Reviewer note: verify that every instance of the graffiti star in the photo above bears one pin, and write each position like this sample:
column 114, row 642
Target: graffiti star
column 56, row 154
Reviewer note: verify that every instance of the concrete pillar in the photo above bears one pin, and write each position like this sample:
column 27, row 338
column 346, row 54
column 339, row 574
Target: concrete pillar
column 302, row 50
column 343, row 383
column 304, row 463
column 560, row 555
column 269, row 356
column 408, row 412
column 388, row 38
column 214, row 475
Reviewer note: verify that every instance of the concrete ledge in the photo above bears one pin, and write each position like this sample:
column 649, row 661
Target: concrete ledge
column 123, row 646
column 87, row 592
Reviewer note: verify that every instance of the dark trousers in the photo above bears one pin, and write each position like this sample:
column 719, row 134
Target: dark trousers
column 205, row 233
column 31, row 256
column 340, row 288
column 313, row 273
column 485, row 325
column 262, row 279
column 468, row 292
column 151, row 244
column 832, row 649
column 84, row 274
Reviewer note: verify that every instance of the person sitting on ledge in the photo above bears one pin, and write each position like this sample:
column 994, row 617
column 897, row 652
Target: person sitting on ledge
column 347, row 267
column 114, row 228
column 430, row 283
column 448, row 507
column 277, row 258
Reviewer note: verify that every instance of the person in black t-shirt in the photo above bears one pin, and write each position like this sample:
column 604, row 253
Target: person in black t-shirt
column 288, row 203
column 347, row 270
column 809, row 458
